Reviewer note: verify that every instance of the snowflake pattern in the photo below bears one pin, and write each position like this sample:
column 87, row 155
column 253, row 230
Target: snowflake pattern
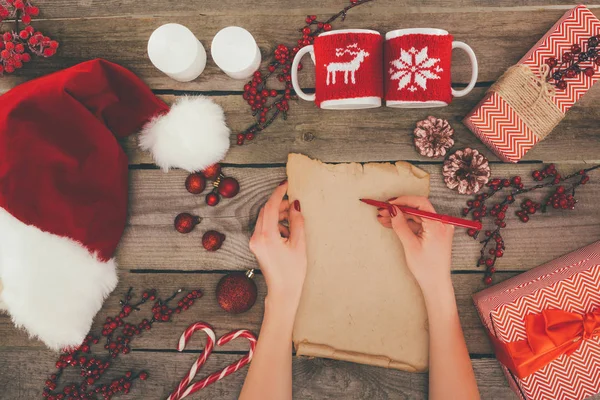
column 414, row 68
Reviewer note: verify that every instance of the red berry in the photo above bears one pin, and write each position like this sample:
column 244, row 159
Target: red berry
column 472, row 232
column 575, row 48
column 48, row 52
column 487, row 280
column 143, row 376
column 589, row 71
column 327, row 27
column 26, row 19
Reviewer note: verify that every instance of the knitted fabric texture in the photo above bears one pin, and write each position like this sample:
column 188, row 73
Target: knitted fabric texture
column 417, row 68
column 530, row 97
column 348, row 65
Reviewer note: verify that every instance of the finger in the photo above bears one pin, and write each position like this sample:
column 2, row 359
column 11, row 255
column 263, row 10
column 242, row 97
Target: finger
column 284, row 215
column 284, row 206
column 284, row 231
column 415, row 227
column 403, row 230
column 259, row 221
column 297, row 235
column 385, row 221
column 419, row 202
column 384, row 212
column 271, row 209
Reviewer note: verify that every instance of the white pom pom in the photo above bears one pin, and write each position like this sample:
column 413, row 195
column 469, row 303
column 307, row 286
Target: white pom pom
column 192, row 135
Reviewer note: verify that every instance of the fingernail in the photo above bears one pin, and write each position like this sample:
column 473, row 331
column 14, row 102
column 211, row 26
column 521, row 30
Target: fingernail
column 392, row 199
column 283, row 182
column 297, row 205
column 392, row 211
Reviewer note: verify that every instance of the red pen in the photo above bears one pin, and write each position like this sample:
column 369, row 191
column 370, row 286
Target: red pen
column 446, row 219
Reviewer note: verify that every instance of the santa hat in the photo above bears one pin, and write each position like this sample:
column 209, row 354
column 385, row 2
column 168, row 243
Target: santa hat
column 63, row 186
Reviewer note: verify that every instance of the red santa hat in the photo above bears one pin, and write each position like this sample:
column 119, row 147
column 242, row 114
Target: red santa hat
column 63, row 186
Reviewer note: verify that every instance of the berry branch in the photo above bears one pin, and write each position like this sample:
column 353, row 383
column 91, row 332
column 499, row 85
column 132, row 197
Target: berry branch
column 256, row 92
column 571, row 62
column 92, row 368
column 563, row 197
column 17, row 46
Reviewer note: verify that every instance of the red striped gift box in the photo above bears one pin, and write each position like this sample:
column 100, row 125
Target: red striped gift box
column 571, row 284
column 498, row 125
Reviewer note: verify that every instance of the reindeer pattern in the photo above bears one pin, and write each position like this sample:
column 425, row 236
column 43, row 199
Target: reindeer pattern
column 350, row 67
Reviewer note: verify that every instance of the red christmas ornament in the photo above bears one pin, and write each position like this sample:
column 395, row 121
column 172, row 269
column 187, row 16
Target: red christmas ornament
column 228, row 187
column 212, row 199
column 212, row 172
column 236, row 292
column 185, row 222
column 212, row 240
column 195, row 183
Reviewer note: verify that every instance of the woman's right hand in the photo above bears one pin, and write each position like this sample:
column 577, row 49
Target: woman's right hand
column 427, row 244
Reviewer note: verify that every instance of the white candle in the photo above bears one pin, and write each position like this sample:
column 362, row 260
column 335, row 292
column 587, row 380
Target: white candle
column 175, row 50
column 235, row 51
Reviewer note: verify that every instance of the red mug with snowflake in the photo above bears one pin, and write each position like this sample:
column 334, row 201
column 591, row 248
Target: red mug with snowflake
column 348, row 69
column 417, row 64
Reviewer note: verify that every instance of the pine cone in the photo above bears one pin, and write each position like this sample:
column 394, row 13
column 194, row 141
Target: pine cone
column 466, row 170
column 433, row 137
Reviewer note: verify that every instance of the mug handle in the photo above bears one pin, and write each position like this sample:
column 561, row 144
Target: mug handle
column 299, row 55
column 474, row 69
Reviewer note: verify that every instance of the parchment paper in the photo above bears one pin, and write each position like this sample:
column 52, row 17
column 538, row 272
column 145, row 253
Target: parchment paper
column 360, row 302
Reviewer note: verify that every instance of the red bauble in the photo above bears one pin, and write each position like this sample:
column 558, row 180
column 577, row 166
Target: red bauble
column 212, row 199
column 212, row 172
column 195, row 183
column 212, row 240
column 228, row 187
column 185, row 222
column 236, row 292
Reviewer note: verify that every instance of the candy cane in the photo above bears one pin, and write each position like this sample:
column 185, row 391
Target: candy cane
column 183, row 390
column 183, row 341
column 230, row 369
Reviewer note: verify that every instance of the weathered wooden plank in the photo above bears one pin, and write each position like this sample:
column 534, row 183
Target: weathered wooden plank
column 498, row 38
column 385, row 134
column 164, row 336
column 150, row 242
column 181, row 8
column 21, row 378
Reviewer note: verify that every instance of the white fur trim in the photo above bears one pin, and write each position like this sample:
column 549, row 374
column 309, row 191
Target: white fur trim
column 192, row 135
column 53, row 286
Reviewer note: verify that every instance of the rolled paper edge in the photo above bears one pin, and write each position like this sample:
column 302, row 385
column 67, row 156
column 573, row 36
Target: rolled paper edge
column 305, row 348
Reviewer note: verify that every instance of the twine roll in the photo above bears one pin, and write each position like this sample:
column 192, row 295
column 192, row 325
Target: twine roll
column 531, row 98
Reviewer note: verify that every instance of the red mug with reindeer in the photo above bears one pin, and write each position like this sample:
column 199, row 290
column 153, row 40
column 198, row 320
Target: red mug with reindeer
column 348, row 69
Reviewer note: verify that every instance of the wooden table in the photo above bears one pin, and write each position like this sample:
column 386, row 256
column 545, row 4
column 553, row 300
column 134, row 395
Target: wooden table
column 152, row 254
